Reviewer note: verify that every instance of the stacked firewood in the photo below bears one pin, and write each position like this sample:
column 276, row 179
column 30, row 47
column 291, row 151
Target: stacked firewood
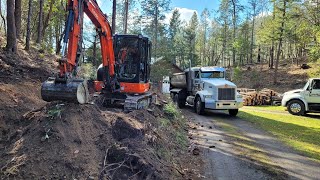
column 252, row 97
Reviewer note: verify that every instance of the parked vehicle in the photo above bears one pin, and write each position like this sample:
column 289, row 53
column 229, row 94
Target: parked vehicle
column 302, row 101
column 205, row 88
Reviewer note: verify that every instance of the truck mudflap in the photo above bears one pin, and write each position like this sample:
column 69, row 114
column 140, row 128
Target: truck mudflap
column 222, row 105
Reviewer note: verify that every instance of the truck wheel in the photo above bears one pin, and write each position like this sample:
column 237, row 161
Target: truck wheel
column 176, row 99
column 181, row 103
column 172, row 96
column 233, row 112
column 296, row 107
column 199, row 106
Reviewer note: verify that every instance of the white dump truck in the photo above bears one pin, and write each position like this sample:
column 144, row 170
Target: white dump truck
column 205, row 88
column 302, row 101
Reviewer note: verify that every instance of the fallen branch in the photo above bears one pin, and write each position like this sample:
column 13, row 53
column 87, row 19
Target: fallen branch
column 178, row 170
column 134, row 175
column 31, row 114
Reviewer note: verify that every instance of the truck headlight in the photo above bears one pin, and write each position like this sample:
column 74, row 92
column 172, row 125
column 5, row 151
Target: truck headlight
column 207, row 96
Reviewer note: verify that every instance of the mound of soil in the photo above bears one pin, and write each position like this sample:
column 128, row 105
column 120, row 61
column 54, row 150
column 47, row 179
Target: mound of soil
column 65, row 141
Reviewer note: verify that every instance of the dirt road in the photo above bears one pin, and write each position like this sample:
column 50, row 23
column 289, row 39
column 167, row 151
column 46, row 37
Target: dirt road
column 235, row 149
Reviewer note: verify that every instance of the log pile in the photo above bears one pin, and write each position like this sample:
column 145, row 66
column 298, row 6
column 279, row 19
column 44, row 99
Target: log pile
column 252, row 97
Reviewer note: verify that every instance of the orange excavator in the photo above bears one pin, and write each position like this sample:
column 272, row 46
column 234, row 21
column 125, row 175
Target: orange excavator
column 125, row 70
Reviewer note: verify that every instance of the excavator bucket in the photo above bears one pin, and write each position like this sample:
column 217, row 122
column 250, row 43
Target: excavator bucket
column 72, row 90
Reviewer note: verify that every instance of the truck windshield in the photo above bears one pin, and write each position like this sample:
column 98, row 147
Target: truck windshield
column 306, row 87
column 213, row 74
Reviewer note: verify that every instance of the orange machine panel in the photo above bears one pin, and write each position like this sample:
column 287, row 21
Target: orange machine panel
column 98, row 85
column 134, row 87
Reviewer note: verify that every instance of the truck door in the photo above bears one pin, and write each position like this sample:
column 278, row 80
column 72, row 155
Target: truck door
column 196, row 81
column 313, row 95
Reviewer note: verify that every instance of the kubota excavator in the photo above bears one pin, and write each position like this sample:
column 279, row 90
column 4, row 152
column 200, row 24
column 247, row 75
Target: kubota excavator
column 125, row 70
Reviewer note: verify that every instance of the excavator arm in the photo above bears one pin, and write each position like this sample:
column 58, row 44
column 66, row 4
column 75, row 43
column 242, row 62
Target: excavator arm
column 76, row 9
column 65, row 86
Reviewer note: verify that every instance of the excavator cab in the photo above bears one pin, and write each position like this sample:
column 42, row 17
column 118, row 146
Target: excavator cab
column 132, row 63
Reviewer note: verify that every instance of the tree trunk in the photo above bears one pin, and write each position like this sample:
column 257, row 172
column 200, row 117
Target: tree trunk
column 3, row 19
column 17, row 16
column 114, row 11
column 46, row 21
column 252, row 32
column 11, row 27
column 156, row 32
column 29, row 26
column 280, row 41
column 39, row 35
column 234, row 32
column 259, row 55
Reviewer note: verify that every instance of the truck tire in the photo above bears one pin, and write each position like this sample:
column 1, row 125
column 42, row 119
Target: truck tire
column 180, row 102
column 233, row 112
column 296, row 107
column 199, row 106
column 172, row 96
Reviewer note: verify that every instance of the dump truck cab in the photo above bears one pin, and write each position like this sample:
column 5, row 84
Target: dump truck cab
column 205, row 88
column 302, row 101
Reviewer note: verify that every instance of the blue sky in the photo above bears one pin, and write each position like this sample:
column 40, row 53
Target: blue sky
column 197, row 5
column 186, row 7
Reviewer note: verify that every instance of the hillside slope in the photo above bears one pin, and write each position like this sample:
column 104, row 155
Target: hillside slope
column 260, row 76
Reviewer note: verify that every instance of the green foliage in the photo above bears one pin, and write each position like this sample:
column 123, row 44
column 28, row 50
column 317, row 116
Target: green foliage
column 87, row 71
column 164, row 123
column 159, row 70
column 314, row 72
column 55, row 111
column 171, row 110
column 237, row 73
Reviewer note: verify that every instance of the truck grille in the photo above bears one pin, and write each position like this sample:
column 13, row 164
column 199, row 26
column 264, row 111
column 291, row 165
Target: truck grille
column 226, row 94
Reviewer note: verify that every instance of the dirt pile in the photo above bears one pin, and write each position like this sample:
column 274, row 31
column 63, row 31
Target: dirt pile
column 67, row 141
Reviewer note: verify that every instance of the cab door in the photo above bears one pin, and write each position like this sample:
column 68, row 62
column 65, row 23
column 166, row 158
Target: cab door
column 313, row 95
column 196, row 82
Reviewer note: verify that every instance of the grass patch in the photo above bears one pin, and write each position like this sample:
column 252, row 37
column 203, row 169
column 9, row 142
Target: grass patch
column 266, row 108
column 313, row 72
column 302, row 133
column 171, row 110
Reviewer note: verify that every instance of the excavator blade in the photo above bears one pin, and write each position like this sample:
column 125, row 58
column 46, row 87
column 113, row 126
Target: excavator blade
column 72, row 90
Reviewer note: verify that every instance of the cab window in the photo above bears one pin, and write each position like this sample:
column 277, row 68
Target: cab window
column 196, row 75
column 316, row 84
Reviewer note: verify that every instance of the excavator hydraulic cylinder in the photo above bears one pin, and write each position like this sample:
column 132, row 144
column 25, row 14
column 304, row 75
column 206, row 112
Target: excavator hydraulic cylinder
column 72, row 90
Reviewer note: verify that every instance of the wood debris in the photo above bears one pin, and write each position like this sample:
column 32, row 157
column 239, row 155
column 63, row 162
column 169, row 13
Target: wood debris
column 252, row 97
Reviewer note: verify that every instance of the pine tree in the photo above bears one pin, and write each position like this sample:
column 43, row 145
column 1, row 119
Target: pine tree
column 11, row 27
column 153, row 13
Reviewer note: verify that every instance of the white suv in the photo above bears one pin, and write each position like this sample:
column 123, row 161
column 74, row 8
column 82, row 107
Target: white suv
column 302, row 101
